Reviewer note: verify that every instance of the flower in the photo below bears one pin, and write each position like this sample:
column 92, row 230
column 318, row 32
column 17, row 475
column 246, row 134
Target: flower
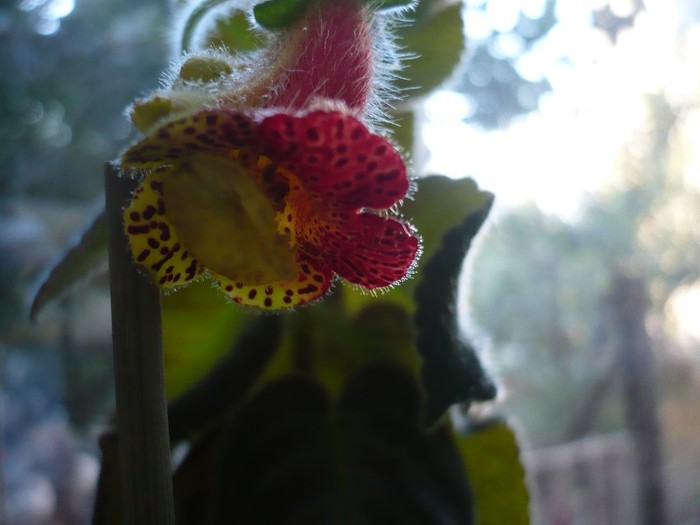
column 271, row 206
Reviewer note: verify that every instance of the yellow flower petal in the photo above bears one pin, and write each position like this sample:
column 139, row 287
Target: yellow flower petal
column 154, row 241
column 211, row 131
column 309, row 284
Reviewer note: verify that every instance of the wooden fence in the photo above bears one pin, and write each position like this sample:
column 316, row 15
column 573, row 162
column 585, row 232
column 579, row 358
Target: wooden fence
column 586, row 482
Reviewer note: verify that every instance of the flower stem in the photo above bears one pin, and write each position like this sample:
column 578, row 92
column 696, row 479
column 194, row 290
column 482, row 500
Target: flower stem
column 142, row 420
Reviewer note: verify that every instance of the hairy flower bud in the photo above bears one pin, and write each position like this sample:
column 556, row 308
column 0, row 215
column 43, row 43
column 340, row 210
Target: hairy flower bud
column 331, row 52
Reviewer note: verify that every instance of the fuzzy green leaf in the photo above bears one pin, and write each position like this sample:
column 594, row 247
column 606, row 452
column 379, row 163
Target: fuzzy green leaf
column 440, row 204
column 492, row 458
column 78, row 263
column 435, row 40
column 452, row 372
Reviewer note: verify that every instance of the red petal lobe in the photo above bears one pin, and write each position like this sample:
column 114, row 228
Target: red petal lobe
column 337, row 158
column 371, row 251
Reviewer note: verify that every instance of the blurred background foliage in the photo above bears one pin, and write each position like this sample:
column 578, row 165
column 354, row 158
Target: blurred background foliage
column 541, row 288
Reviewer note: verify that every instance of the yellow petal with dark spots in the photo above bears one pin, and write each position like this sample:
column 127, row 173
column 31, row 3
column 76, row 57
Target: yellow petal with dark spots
column 153, row 239
column 310, row 283
column 213, row 131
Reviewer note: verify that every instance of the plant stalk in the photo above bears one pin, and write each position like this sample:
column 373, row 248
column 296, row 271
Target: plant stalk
column 142, row 418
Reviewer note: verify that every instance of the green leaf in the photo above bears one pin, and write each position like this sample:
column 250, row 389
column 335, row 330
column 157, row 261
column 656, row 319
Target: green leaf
column 293, row 455
column 452, row 372
column 199, row 327
column 440, row 204
column 78, row 263
column 276, row 14
column 492, row 458
column 228, row 382
column 435, row 41
column 235, row 33
column 381, row 331
column 332, row 343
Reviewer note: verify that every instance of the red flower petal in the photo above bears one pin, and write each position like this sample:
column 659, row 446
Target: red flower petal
column 337, row 158
column 215, row 130
column 370, row 250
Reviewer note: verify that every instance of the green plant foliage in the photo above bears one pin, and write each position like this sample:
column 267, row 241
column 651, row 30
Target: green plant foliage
column 496, row 475
column 228, row 382
column 332, row 343
column 451, row 370
column 363, row 459
column 79, row 262
column 440, row 204
column 275, row 14
column 199, row 327
column 235, row 33
column 435, row 42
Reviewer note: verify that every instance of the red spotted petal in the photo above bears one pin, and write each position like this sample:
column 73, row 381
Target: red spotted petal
column 215, row 130
column 337, row 158
column 370, row 250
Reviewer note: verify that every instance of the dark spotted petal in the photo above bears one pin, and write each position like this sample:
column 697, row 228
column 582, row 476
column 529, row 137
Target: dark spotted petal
column 153, row 240
column 213, row 131
column 312, row 283
column 336, row 158
column 371, row 251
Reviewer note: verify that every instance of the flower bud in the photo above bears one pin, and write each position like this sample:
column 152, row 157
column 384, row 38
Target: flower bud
column 204, row 69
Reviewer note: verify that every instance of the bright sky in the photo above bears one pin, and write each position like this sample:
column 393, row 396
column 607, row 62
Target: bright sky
column 569, row 147
column 50, row 13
